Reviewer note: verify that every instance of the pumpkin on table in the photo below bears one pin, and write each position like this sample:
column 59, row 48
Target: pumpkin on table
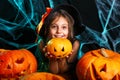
column 42, row 76
column 59, row 47
column 101, row 64
column 15, row 63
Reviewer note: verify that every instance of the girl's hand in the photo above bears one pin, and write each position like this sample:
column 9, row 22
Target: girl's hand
column 45, row 49
column 69, row 54
column 47, row 54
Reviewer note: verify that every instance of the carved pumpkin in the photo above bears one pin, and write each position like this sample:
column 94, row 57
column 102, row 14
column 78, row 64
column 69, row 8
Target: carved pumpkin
column 101, row 64
column 42, row 76
column 59, row 47
column 15, row 63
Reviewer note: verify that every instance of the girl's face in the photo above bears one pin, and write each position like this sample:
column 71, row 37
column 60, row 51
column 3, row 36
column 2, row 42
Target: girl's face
column 59, row 28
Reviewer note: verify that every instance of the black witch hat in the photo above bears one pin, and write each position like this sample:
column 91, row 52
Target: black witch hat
column 78, row 28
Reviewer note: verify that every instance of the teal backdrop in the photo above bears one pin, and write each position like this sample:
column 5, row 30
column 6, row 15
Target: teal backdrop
column 19, row 19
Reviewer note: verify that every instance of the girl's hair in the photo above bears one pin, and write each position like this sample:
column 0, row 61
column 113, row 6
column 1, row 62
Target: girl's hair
column 54, row 15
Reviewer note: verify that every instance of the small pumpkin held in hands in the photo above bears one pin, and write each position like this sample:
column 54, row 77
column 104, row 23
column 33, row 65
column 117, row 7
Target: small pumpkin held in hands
column 15, row 63
column 59, row 47
column 42, row 76
column 101, row 64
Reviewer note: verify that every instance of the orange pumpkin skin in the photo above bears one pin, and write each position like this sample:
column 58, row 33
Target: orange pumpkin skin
column 42, row 76
column 59, row 47
column 101, row 64
column 15, row 63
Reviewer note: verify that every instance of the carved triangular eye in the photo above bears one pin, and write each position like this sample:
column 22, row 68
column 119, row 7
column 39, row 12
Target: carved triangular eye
column 103, row 69
column 55, row 50
column 63, row 49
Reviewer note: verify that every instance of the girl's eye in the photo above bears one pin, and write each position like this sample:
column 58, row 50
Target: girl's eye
column 64, row 27
column 53, row 26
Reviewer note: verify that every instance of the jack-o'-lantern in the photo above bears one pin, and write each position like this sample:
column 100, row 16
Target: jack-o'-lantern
column 42, row 76
column 101, row 64
column 15, row 63
column 59, row 47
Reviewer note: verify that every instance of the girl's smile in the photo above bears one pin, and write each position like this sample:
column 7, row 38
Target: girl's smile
column 59, row 28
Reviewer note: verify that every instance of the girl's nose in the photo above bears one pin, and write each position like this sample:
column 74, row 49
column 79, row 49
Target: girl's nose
column 58, row 30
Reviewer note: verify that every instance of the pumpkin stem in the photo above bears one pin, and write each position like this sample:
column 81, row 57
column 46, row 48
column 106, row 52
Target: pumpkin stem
column 103, row 52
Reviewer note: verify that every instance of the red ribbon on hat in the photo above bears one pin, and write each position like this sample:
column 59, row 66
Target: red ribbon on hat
column 48, row 10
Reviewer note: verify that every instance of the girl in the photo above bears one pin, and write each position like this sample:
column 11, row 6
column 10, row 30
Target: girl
column 63, row 21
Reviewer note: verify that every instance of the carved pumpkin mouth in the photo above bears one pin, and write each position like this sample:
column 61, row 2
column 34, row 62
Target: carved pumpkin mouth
column 59, row 56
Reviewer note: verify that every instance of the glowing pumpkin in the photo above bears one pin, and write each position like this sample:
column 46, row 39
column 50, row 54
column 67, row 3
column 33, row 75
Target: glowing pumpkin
column 59, row 47
column 101, row 64
column 15, row 63
column 42, row 76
